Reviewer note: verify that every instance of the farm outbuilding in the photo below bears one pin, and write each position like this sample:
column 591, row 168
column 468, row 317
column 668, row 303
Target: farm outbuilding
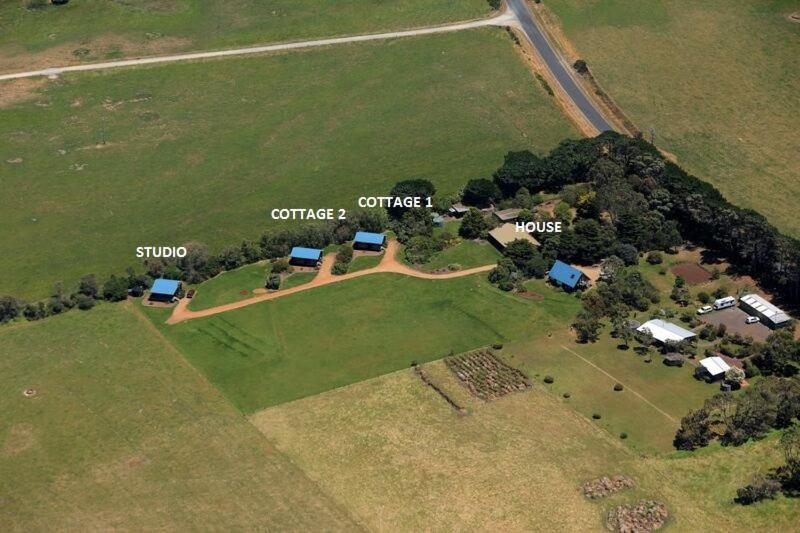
column 508, row 215
column 307, row 257
column 712, row 368
column 663, row 331
column 504, row 235
column 458, row 210
column 365, row 240
column 567, row 277
column 164, row 290
column 770, row 315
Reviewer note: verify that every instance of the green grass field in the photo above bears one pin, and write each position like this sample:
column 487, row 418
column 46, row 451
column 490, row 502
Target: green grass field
column 204, row 150
column 124, row 434
column 398, row 457
column 467, row 253
column 365, row 262
column 338, row 334
column 230, row 286
column 297, row 278
column 103, row 29
column 717, row 80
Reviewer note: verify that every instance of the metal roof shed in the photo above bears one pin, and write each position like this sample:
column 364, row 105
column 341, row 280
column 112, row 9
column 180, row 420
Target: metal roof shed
column 165, row 287
column 565, row 275
column 365, row 237
column 715, row 366
column 306, row 254
column 664, row 331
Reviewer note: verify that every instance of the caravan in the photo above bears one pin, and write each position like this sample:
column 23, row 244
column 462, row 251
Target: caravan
column 722, row 303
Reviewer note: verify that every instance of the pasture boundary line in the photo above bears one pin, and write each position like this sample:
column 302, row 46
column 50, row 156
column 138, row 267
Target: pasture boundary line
column 645, row 400
column 501, row 19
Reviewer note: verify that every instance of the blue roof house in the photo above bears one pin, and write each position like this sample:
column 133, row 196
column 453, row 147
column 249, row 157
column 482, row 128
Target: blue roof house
column 164, row 290
column 365, row 240
column 309, row 257
column 567, row 277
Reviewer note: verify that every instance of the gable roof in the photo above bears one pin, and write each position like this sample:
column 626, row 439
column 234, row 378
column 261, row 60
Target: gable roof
column 769, row 311
column 165, row 286
column 508, row 214
column 664, row 331
column 507, row 233
column 298, row 252
column 715, row 365
column 366, row 237
column 565, row 274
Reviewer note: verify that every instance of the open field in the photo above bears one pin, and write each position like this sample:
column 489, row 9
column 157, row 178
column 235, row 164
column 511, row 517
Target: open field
column 92, row 30
column 717, row 80
column 467, row 253
column 124, row 434
column 334, row 335
column 398, row 457
column 103, row 162
column 230, row 286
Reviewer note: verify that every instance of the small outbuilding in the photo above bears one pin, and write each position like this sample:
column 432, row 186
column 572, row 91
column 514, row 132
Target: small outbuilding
column 164, row 290
column 663, row 331
column 458, row 210
column 504, row 235
column 365, row 240
column 712, row 368
column 508, row 215
column 769, row 315
column 567, row 276
column 307, row 257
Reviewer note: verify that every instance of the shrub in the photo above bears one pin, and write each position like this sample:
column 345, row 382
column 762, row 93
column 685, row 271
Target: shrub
column 340, row 268
column 761, row 488
column 549, row 379
column 280, row 265
column 623, row 435
column 473, row 225
column 567, row 395
column 704, row 297
column 453, row 267
column 273, row 282
column 497, row 346
column 84, row 302
column 618, row 387
column 597, row 416
column 115, row 289
column 580, row 66
column 655, row 258
column 9, row 308
column 648, row 360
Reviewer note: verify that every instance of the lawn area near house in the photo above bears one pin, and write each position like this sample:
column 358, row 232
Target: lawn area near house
column 399, row 457
column 297, row 278
column 121, row 432
column 103, row 162
column 34, row 33
column 230, row 286
column 365, row 262
column 467, row 254
column 331, row 336
column 717, row 82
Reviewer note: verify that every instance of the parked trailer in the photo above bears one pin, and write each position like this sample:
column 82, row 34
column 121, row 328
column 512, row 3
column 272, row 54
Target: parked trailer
column 723, row 303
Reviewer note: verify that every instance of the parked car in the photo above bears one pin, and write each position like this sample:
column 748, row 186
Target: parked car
column 751, row 320
column 190, row 294
column 705, row 310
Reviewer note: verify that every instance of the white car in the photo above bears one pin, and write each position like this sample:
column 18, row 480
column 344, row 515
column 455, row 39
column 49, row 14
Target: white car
column 751, row 320
column 705, row 310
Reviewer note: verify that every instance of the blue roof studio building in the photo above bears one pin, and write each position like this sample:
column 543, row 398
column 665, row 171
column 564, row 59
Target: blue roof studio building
column 567, row 277
column 365, row 240
column 164, row 290
column 307, row 257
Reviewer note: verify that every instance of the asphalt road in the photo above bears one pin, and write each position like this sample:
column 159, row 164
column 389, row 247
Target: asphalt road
column 558, row 67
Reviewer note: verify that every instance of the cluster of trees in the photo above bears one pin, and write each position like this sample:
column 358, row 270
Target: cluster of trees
column 771, row 403
column 785, row 478
column 343, row 258
column 521, row 261
column 779, row 355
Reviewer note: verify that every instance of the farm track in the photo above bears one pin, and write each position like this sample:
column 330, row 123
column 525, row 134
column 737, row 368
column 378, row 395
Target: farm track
column 388, row 265
column 505, row 18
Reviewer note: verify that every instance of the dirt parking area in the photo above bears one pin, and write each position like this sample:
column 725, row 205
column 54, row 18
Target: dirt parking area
column 733, row 318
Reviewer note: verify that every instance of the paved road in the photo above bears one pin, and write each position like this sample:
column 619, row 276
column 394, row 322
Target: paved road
column 502, row 19
column 561, row 71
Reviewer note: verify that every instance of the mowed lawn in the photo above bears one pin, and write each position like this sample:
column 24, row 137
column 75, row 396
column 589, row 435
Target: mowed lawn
column 230, row 286
column 717, row 81
column 124, row 434
column 331, row 336
column 397, row 456
column 92, row 30
column 100, row 163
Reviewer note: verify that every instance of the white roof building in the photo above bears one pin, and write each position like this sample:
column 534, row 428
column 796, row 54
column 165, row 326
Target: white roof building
column 772, row 315
column 715, row 366
column 664, row 331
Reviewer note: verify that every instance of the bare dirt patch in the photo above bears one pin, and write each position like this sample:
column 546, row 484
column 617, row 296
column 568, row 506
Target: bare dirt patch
column 14, row 92
column 641, row 517
column 532, row 295
column 486, row 376
column 692, row 273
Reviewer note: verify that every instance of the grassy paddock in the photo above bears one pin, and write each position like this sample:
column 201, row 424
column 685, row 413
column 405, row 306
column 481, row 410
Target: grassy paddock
column 230, row 286
column 317, row 340
column 718, row 82
column 165, row 154
column 91, row 30
column 124, row 433
column 398, row 457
